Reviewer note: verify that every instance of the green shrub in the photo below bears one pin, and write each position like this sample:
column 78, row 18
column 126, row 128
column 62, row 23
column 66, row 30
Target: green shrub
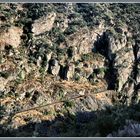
column 36, row 10
column 102, row 70
column 105, row 124
column 76, row 77
column 60, row 38
column 61, row 94
column 70, row 52
column 5, row 74
column 68, row 104
column 86, row 57
column 70, row 30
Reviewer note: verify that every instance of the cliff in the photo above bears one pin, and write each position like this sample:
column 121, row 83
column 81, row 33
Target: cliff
column 58, row 52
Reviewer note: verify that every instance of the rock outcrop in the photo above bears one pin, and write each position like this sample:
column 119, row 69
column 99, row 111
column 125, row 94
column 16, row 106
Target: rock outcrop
column 54, row 67
column 43, row 24
column 12, row 36
column 66, row 59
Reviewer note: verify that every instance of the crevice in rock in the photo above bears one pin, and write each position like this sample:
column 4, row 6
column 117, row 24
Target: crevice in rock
column 135, row 71
column 63, row 72
column 111, row 76
column 50, row 63
column 35, row 97
column 27, row 30
column 102, row 47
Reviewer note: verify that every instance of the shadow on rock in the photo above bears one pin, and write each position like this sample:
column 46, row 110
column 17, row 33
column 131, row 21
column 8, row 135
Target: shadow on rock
column 82, row 124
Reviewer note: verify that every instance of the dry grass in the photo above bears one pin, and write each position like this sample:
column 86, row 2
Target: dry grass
column 8, row 65
column 6, row 101
column 71, row 85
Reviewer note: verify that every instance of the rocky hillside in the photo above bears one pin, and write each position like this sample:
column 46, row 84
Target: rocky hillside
column 63, row 67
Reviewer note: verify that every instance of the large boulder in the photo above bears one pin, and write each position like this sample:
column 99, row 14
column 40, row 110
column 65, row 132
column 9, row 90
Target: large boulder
column 54, row 67
column 11, row 36
column 43, row 24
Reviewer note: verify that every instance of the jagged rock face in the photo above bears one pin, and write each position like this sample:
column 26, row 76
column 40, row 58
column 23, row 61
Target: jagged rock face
column 121, row 57
column 43, row 24
column 137, row 59
column 70, row 69
column 82, row 41
column 71, row 51
column 94, row 102
column 125, row 61
column 54, row 67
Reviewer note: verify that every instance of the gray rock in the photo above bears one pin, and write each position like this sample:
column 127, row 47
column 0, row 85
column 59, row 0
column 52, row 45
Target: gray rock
column 70, row 69
column 54, row 67
column 43, row 24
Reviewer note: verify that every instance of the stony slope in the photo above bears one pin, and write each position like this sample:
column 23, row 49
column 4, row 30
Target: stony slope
column 53, row 52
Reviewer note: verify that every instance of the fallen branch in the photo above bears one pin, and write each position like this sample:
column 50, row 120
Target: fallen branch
column 58, row 102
